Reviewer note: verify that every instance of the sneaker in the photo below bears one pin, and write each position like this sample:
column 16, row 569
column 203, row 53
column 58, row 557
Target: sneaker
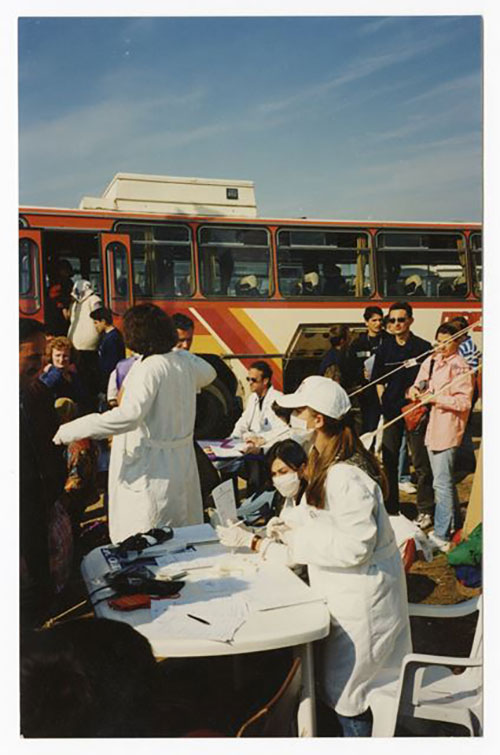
column 407, row 487
column 424, row 521
column 438, row 543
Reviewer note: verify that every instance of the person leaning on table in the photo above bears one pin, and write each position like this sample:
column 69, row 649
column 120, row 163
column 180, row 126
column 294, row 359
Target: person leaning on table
column 342, row 532
column 153, row 477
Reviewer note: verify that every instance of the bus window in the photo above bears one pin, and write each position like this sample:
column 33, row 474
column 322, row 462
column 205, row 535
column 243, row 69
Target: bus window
column 29, row 288
column 234, row 262
column 324, row 263
column 161, row 260
column 117, row 259
column 422, row 264
column 476, row 242
column 95, row 276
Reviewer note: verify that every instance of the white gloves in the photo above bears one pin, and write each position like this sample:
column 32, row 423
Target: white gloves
column 277, row 529
column 235, row 536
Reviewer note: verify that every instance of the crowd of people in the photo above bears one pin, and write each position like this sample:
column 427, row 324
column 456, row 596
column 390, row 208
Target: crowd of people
column 316, row 446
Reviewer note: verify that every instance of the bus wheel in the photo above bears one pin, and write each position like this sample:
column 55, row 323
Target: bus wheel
column 214, row 412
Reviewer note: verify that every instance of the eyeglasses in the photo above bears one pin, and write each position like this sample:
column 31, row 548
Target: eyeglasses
column 392, row 320
column 253, row 380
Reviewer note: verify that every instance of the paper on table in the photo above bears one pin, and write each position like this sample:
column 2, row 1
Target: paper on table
column 284, row 589
column 225, row 502
column 193, row 559
column 195, row 533
column 220, row 452
column 216, row 619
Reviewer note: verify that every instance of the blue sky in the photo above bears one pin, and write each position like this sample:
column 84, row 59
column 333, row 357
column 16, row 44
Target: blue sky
column 331, row 117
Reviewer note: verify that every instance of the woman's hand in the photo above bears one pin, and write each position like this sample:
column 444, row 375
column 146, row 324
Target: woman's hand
column 276, row 528
column 413, row 393
column 235, row 536
column 427, row 398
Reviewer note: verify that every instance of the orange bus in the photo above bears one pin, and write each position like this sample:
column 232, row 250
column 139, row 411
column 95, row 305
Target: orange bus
column 256, row 287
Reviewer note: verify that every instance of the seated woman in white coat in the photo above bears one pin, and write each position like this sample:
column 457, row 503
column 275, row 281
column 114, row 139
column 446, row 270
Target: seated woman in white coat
column 153, row 476
column 341, row 530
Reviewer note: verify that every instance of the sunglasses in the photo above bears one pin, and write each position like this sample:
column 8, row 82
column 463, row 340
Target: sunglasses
column 392, row 320
column 253, row 380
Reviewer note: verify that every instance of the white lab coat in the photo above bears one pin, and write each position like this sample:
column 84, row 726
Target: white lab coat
column 153, row 476
column 262, row 422
column 353, row 561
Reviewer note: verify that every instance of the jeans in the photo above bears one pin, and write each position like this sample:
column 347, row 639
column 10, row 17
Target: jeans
column 391, row 443
column 447, row 512
column 357, row 726
column 404, row 461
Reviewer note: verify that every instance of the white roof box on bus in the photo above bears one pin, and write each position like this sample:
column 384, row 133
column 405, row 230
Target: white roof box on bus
column 137, row 192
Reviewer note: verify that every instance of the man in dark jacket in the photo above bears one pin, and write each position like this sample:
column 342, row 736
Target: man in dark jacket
column 362, row 348
column 402, row 349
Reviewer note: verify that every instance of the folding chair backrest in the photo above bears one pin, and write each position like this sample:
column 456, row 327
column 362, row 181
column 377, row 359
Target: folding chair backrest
column 455, row 611
column 278, row 717
column 477, row 644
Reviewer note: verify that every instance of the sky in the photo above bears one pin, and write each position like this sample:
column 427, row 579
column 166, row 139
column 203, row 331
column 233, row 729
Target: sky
column 331, row 117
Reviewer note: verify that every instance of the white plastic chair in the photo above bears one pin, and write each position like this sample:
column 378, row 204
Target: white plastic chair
column 430, row 687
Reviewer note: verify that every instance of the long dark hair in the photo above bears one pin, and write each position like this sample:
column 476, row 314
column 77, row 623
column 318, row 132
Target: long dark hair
column 293, row 455
column 343, row 444
column 148, row 330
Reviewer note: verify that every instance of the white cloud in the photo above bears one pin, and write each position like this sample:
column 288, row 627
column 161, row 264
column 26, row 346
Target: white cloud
column 459, row 87
column 359, row 69
column 375, row 25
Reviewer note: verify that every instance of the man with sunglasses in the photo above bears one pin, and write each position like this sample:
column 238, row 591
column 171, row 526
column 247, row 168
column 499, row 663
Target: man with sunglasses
column 259, row 423
column 258, row 426
column 402, row 348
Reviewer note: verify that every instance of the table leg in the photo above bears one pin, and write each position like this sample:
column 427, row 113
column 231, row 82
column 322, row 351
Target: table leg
column 306, row 714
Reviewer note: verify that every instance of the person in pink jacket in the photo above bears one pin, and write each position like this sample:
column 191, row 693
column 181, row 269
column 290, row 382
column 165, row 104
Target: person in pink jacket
column 445, row 382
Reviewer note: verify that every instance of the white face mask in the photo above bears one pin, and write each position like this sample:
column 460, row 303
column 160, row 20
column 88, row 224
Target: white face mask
column 298, row 423
column 301, row 431
column 287, row 484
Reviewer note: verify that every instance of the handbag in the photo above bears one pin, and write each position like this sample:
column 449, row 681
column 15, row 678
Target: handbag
column 414, row 417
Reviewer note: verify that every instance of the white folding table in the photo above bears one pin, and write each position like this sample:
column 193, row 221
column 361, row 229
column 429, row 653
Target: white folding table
column 296, row 626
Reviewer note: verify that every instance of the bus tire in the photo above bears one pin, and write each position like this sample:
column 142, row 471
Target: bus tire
column 214, row 412
column 223, row 370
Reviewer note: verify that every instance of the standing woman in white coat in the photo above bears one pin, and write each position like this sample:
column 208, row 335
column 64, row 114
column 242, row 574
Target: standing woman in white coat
column 153, row 476
column 341, row 530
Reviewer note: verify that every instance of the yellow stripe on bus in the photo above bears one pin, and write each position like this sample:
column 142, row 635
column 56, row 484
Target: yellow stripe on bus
column 206, row 344
column 268, row 347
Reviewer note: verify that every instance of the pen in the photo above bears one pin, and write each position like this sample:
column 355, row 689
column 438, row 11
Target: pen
column 197, row 618
column 236, row 524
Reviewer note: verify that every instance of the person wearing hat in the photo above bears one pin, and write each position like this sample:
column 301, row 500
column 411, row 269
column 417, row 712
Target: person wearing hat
column 310, row 284
column 414, row 286
column 247, row 286
column 343, row 533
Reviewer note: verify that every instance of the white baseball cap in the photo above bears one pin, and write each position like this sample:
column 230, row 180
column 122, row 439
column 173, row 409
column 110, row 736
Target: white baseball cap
column 322, row 394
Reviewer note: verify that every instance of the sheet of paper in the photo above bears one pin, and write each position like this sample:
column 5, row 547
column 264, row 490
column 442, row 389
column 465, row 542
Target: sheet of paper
column 197, row 558
column 195, row 533
column 284, row 589
column 220, row 452
column 214, row 619
column 225, row 501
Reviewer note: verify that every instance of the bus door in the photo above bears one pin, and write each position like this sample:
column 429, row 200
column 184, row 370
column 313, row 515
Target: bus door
column 117, row 266
column 30, row 283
